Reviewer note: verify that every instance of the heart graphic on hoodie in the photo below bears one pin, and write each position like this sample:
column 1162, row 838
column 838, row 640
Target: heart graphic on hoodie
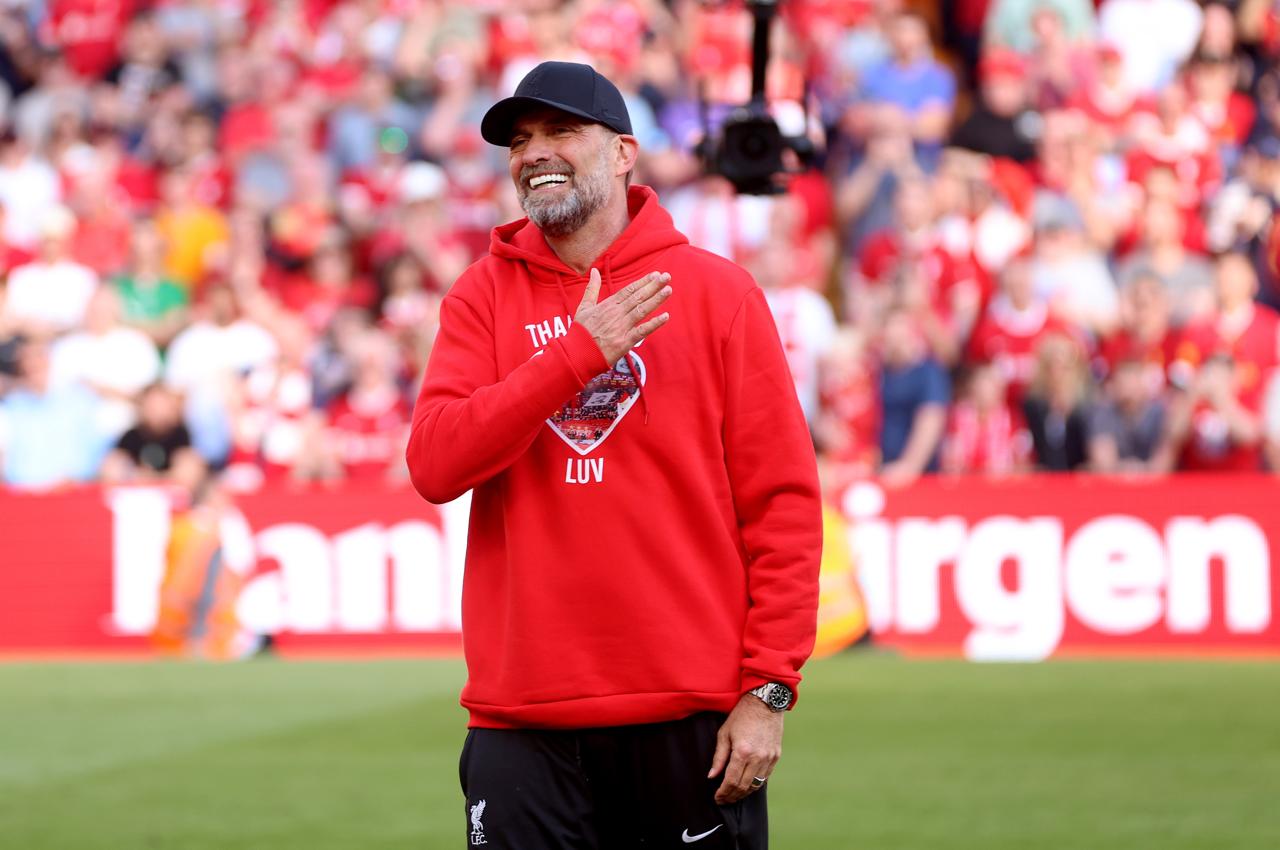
column 587, row 419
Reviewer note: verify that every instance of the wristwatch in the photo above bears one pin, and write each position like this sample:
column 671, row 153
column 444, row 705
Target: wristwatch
column 777, row 696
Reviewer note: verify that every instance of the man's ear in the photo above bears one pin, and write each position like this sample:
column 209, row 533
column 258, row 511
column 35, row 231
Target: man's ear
column 628, row 151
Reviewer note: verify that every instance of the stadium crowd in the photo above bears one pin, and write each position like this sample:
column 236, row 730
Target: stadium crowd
column 1037, row 234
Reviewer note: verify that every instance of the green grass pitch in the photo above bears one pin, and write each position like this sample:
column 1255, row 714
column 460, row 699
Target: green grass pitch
column 881, row 753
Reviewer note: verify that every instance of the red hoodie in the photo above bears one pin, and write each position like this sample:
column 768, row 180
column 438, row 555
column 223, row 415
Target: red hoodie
column 638, row 550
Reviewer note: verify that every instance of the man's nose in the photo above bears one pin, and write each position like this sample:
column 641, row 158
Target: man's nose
column 536, row 150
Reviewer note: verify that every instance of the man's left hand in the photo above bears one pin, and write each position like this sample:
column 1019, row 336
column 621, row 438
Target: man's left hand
column 748, row 745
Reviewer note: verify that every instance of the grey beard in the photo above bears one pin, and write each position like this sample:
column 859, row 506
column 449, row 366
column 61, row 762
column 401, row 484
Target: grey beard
column 590, row 193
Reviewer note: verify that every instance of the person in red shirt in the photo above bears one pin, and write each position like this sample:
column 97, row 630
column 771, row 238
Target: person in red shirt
column 1011, row 329
column 588, row 404
column 1227, row 114
column 1224, row 366
column 848, row 426
column 89, row 32
column 1144, row 334
column 1107, row 100
column 1174, row 137
column 912, row 253
column 368, row 424
column 327, row 284
column 1246, row 332
column 1209, row 428
column 983, row 434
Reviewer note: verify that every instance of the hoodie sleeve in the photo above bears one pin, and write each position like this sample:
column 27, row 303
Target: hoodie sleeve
column 469, row 424
column 773, row 476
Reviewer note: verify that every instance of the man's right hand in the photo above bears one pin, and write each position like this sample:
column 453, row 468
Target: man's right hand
column 615, row 323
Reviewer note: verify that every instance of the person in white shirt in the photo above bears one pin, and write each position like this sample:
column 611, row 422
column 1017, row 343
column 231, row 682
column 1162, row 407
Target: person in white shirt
column 806, row 323
column 50, row 294
column 29, row 188
column 207, row 359
column 1154, row 36
column 115, row 361
column 718, row 219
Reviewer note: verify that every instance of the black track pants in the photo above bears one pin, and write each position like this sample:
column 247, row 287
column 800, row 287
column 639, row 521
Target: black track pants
column 604, row 789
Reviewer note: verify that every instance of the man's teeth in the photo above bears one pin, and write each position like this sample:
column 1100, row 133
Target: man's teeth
column 542, row 179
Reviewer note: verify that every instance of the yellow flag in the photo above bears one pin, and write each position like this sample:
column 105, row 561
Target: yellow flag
column 842, row 614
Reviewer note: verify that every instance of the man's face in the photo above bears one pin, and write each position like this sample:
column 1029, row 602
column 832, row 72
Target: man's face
column 908, row 37
column 560, row 165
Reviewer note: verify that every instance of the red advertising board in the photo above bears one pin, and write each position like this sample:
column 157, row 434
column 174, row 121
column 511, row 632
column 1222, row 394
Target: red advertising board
column 1026, row 568
column 999, row 570
column 355, row 568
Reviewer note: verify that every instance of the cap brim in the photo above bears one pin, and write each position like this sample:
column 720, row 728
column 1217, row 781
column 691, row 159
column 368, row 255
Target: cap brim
column 497, row 125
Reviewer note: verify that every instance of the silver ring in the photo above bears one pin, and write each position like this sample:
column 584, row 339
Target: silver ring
column 758, row 781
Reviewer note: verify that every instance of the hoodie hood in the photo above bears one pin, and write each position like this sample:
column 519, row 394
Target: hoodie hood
column 632, row 255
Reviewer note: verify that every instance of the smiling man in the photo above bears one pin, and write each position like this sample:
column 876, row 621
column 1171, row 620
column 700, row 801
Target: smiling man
column 642, row 562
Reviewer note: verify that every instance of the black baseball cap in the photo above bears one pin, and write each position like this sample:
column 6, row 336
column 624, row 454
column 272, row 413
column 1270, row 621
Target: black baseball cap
column 568, row 86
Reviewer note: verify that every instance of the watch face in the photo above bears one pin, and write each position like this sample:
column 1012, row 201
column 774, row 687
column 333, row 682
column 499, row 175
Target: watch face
column 779, row 697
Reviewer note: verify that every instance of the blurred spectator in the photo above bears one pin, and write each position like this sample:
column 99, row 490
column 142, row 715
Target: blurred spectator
column 806, row 323
column 1243, row 215
column 1187, row 277
column 1174, row 143
column 1067, row 272
column 332, row 362
column 1002, row 123
column 114, row 361
column 1127, row 423
column 57, row 99
column 980, row 203
column 406, row 302
column 1210, row 428
column 29, row 190
column 1227, row 114
column 1060, row 64
column 327, row 283
column 865, row 198
column 1107, row 98
column 368, row 426
column 1243, row 331
column 274, row 426
column 1154, row 36
column 910, row 260
column 1144, row 333
column 372, row 119
column 103, row 224
column 422, row 227
column 144, row 71
column 158, row 448
column 914, row 82
column 190, row 227
column 1055, row 406
column 151, row 301
column 50, row 294
column 914, row 394
column 716, row 218
column 1011, row 330
column 205, row 360
column 1076, row 182
column 49, row 435
column 88, row 31
column 983, row 434
column 848, row 426
column 1011, row 23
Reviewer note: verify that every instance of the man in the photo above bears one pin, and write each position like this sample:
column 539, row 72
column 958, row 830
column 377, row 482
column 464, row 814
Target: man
column 914, row 394
column 641, row 579
column 1003, row 122
column 49, row 434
